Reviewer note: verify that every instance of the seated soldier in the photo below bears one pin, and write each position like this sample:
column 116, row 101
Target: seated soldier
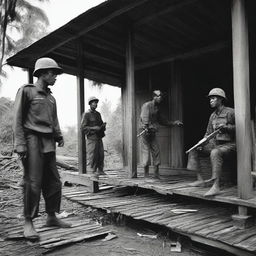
column 222, row 145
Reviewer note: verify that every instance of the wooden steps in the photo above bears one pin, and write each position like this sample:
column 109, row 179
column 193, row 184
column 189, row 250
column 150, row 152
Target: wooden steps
column 208, row 222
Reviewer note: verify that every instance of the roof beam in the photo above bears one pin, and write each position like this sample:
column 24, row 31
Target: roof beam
column 186, row 55
column 98, row 22
column 168, row 10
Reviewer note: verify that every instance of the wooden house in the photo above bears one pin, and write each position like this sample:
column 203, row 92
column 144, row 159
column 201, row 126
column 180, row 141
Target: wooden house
column 182, row 47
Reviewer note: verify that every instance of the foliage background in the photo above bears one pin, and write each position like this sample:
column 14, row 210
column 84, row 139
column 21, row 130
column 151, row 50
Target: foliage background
column 112, row 140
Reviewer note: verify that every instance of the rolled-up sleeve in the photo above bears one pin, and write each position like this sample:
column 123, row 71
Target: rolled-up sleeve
column 18, row 129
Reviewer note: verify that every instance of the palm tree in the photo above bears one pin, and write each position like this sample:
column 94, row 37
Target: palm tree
column 21, row 23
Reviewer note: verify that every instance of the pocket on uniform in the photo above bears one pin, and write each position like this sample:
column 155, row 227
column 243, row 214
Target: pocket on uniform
column 37, row 106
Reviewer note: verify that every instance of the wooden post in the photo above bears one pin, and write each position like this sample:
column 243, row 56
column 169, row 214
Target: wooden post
column 131, row 107
column 242, row 109
column 242, row 98
column 176, row 113
column 80, row 108
column 124, row 126
column 30, row 76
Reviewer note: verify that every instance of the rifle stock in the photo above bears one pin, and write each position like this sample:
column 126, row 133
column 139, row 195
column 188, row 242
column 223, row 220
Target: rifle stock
column 204, row 140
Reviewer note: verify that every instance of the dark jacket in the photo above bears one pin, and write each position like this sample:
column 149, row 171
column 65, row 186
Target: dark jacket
column 226, row 117
column 150, row 116
column 90, row 119
column 34, row 110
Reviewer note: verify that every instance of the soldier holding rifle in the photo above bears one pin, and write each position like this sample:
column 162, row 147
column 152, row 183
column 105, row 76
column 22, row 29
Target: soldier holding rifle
column 150, row 117
column 94, row 129
column 222, row 126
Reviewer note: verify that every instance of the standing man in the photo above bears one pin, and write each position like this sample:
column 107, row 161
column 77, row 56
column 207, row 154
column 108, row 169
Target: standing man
column 94, row 129
column 36, row 131
column 150, row 118
column 218, row 148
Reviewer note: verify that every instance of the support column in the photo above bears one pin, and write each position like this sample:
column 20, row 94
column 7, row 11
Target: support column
column 131, row 108
column 242, row 108
column 176, row 113
column 80, row 108
column 242, row 98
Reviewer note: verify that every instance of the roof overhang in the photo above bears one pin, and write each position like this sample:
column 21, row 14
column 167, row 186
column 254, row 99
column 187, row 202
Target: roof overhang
column 164, row 30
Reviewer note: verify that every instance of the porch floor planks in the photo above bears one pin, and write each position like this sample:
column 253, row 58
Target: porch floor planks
column 208, row 222
column 174, row 184
column 52, row 237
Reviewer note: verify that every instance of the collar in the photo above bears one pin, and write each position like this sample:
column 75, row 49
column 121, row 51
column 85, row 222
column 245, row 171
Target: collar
column 40, row 90
column 218, row 112
column 92, row 111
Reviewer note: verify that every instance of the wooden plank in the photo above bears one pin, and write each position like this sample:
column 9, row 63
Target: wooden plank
column 237, row 237
column 206, row 232
column 220, row 233
column 157, row 13
column 220, row 245
column 248, row 244
column 189, row 54
column 207, row 225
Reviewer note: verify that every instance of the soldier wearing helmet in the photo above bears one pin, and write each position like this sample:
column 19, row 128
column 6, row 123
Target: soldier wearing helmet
column 150, row 117
column 94, row 129
column 36, row 131
column 221, row 146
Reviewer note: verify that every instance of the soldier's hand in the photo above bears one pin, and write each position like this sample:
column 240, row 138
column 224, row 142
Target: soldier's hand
column 22, row 155
column 61, row 143
column 178, row 123
column 222, row 128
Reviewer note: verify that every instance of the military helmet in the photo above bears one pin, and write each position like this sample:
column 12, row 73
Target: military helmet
column 92, row 98
column 217, row 92
column 46, row 63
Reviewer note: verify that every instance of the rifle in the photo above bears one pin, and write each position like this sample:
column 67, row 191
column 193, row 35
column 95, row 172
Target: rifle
column 205, row 139
column 142, row 132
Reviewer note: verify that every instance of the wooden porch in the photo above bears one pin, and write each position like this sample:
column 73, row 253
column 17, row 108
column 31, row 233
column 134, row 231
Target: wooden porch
column 176, row 183
column 209, row 223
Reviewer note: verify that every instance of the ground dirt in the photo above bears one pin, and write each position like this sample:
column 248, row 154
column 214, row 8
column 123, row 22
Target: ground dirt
column 126, row 242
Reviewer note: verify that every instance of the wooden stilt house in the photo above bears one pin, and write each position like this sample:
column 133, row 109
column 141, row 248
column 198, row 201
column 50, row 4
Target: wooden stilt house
column 182, row 47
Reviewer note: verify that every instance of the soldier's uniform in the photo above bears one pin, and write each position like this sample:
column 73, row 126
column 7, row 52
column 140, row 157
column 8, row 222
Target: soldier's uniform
column 150, row 118
column 94, row 144
column 36, row 131
column 219, row 147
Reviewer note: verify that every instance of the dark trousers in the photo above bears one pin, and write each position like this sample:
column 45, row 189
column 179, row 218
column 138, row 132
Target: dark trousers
column 40, row 174
column 217, row 153
column 95, row 154
column 149, row 145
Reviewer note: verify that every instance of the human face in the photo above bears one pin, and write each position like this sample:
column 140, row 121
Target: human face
column 50, row 77
column 215, row 101
column 158, row 98
column 94, row 104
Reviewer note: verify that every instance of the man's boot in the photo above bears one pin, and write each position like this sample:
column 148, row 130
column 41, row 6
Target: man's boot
column 146, row 171
column 156, row 172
